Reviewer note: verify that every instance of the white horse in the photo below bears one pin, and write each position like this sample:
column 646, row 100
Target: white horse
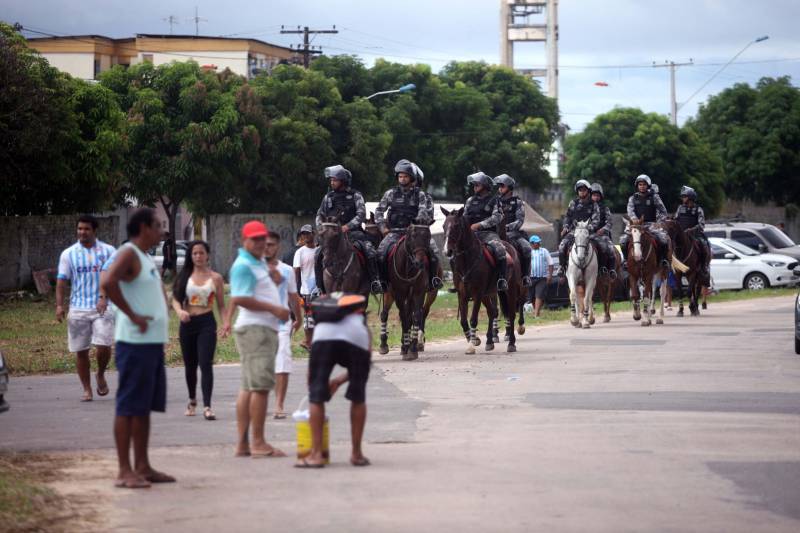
column 582, row 274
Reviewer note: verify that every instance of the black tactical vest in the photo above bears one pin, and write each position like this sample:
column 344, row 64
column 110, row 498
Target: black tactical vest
column 582, row 211
column 404, row 207
column 480, row 208
column 603, row 219
column 341, row 204
column 645, row 207
column 687, row 217
column 509, row 208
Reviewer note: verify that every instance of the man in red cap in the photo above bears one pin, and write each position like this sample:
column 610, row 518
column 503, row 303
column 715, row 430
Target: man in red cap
column 254, row 290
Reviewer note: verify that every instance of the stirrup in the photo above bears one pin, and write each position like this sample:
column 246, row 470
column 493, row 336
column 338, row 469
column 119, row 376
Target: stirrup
column 603, row 271
column 527, row 281
column 502, row 285
column 377, row 287
column 436, row 282
column 612, row 274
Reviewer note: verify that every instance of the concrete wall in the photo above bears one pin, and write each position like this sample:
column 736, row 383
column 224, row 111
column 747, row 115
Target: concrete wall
column 224, row 234
column 78, row 65
column 768, row 213
column 28, row 244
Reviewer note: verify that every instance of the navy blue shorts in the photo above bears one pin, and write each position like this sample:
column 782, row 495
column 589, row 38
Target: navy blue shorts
column 142, row 379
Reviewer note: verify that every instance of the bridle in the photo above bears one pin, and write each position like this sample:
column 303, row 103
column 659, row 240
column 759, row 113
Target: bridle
column 340, row 276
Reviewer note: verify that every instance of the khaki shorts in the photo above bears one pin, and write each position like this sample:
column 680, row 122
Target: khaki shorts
column 88, row 327
column 257, row 346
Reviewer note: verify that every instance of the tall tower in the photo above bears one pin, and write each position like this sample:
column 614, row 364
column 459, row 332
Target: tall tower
column 531, row 21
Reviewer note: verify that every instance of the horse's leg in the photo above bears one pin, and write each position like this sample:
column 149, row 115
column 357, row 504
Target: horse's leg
column 509, row 303
column 647, row 293
column 679, row 282
column 588, row 303
column 633, row 281
column 473, row 320
column 463, row 308
column 415, row 313
column 608, row 297
column 387, row 305
column 490, row 304
column 521, row 315
column 496, row 323
column 662, row 294
column 573, row 304
column 430, row 296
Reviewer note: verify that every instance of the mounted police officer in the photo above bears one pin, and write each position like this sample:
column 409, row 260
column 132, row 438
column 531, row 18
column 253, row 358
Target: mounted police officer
column 347, row 205
column 602, row 236
column 513, row 210
column 482, row 210
column 691, row 219
column 406, row 204
column 645, row 206
column 433, row 253
column 581, row 209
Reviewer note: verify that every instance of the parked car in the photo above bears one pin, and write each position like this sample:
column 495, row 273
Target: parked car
column 3, row 385
column 797, row 317
column 557, row 294
column 158, row 255
column 736, row 266
column 760, row 237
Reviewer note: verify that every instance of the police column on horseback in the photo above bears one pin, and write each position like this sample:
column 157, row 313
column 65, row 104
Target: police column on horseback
column 347, row 206
column 692, row 220
column 645, row 206
column 602, row 235
column 482, row 211
column 514, row 217
column 406, row 204
column 580, row 209
column 435, row 281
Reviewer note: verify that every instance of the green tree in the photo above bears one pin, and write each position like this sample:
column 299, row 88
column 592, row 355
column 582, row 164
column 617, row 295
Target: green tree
column 619, row 145
column 756, row 133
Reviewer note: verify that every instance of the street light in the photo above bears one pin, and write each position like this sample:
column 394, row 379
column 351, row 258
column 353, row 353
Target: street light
column 717, row 73
column 404, row 89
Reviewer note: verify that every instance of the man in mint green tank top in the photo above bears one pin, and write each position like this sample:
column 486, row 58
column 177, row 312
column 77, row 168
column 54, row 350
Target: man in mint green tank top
column 133, row 283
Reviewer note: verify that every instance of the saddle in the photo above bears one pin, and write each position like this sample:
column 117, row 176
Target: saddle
column 487, row 253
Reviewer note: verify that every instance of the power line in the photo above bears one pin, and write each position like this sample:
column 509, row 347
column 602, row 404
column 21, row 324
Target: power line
column 307, row 50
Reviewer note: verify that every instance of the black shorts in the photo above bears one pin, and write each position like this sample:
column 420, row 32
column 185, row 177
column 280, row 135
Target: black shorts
column 538, row 288
column 327, row 354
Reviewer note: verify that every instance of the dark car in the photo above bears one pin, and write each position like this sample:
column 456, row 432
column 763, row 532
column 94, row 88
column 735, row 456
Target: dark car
column 797, row 318
column 3, row 385
column 557, row 294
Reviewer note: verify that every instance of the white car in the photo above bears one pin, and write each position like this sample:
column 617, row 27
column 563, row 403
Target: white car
column 158, row 256
column 736, row 266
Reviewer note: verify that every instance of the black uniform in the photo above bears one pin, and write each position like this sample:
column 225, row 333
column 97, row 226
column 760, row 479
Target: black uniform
column 604, row 243
column 514, row 217
column 484, row 209
column 578, row 211
column 649, row 209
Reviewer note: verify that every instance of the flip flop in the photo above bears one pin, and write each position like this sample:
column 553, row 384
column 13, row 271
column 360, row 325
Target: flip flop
column 279, row 415
column 274, row 452
column 159, row 477
column 362, row 462
column 208, row 414
column 137, row 483
column 305, row 464
column 102, row 391
column 87, row 397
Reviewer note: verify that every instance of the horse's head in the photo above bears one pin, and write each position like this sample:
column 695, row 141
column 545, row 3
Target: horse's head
column 637, row 229
column 371, row 227
column 418, row 238
column 581, row 234
column 455, row 228
column 330, row 232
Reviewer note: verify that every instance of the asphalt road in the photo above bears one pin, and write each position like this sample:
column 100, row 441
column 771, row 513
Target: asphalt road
column 694, row 425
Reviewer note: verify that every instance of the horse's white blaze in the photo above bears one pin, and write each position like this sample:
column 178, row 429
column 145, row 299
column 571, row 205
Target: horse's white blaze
column 636, row 235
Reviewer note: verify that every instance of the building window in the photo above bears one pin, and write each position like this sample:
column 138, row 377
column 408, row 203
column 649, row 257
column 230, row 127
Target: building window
column 147, row 58
column 96, row 68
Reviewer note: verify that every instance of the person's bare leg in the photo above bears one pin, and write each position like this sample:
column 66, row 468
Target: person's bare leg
column 103, row 354
column 83, row 365
column 309, row 334
column 316, row 420
column 243, row 423
column 281, row 385
column 122, row 437
column 358, row 419
column 258, row 421
column 538, row 307
column 140, row 429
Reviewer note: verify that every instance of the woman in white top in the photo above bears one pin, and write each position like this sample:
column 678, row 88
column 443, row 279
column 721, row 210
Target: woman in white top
column 193, row 295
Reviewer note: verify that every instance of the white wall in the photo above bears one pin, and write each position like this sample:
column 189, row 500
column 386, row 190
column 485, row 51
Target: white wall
column 78, row 65
column 234, row 60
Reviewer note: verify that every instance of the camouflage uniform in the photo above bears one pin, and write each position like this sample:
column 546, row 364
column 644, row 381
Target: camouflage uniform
column 578, row 211
column 406, row 205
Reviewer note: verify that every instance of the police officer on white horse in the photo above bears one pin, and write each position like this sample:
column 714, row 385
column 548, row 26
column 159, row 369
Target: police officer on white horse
column 580, row 209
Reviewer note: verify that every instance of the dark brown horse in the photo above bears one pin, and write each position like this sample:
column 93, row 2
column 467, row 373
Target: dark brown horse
column 343, row 269
column 644, row 266
column 374, row 234
column 687, row 250
column 606, row 285
column 476, row 280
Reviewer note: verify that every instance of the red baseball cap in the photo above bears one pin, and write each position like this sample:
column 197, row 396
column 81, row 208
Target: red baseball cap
column 254, row 228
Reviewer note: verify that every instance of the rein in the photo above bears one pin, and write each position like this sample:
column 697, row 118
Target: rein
column 338, row 277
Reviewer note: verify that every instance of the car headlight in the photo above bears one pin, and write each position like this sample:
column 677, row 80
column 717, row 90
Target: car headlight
column 776, row 264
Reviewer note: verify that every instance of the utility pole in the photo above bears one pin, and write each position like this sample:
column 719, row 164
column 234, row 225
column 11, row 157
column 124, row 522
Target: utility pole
column 673, row 101
column 197, row 20
column 307, row 51
column 172, row 20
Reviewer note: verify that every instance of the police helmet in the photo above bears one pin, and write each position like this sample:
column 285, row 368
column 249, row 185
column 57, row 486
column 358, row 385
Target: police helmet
column 654, row 188
column 405, row 166
column 419, row 176
column 597, row 188
column 689, row 192
column 480, row 178
column 582, row 183
column 338, row 172
column 642, row 177
column 505, row 179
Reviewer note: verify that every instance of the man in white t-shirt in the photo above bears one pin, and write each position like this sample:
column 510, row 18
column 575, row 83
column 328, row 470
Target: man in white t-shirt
column 304, row 277
column 287, row 290
column 89, row 322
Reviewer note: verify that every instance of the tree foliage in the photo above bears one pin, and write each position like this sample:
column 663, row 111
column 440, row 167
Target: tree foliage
column 756, row 133
column 621, row 144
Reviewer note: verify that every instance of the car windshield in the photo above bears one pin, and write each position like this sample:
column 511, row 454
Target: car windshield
column 739, row 247
column 776, row 237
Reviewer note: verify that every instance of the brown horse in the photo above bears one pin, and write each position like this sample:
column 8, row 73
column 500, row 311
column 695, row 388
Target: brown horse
column 606, row 285
column 374, row 234
column 644, row 266
column 687, row 249
column 343, row 270
column 475, row 279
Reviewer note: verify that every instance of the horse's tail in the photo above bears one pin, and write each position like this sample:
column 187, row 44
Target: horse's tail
column 677, row 265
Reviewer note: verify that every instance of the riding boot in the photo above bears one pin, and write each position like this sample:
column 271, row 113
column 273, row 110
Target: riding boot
column 502, row 275
column 562, row 262
column 319, row 272
column 372, row 269
column 526, row 268
column 433, row 268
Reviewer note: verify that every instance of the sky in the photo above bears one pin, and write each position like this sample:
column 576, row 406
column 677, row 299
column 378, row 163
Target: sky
column 599, row 40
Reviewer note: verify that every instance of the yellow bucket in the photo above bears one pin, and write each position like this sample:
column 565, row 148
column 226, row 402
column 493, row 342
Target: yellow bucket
column 303, row 428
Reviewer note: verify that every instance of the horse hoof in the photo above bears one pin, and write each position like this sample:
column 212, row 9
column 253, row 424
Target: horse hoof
column 645, row 323
column 591, row 320
column 505, row 338
column 521, row 330
column 421, row 348
column 659, row 321
column 586, row 326
column 574, row 322
column 477, row 341
column 489, row 346
column 470, row 349
column 679, row 313
column 635, row 317
column 410, row 356
column 704, row 306
column 403, row 350
column 383, row 350
column 606, row 318
column 511, row 348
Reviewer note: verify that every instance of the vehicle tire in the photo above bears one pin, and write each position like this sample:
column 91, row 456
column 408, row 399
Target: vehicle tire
column 797, row 345
column 756, row 281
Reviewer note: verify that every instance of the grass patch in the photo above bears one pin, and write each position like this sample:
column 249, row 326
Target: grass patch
column 34, row 343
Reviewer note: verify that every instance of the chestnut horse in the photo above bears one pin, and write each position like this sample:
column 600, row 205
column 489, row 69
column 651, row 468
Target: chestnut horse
column 343, row 270
column 644, row 266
